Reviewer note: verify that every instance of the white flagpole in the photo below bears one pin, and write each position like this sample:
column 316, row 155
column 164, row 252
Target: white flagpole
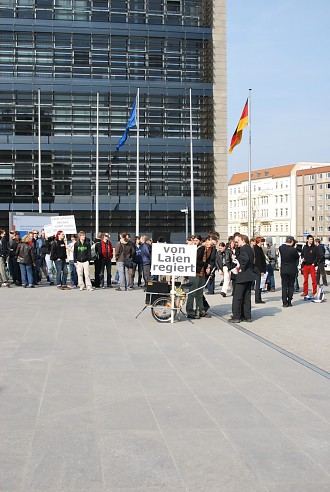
column 249, row 232
column 39, row 155
column 192, row 200
column 97, row 167
column 137, row 211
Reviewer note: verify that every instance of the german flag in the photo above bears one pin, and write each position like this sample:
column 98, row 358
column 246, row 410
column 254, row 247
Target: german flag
column 243, row 122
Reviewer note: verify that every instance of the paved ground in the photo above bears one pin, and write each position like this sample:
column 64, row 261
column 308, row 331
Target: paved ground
column 92, row 399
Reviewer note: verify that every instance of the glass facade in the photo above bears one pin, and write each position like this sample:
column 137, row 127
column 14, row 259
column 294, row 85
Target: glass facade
column 73, row 49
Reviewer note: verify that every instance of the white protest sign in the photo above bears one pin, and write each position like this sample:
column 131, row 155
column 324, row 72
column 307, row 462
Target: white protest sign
column 173, row 259
column 65, row 223
column 49, row 230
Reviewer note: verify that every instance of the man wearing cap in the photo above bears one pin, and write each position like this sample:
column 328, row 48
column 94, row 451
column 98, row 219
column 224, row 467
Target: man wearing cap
column 289, row 264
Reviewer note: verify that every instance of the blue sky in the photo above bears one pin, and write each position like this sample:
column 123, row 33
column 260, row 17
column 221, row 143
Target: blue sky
column 280, row 50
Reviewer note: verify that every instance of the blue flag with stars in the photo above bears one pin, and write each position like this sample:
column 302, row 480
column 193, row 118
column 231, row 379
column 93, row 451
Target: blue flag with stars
column 131, row 122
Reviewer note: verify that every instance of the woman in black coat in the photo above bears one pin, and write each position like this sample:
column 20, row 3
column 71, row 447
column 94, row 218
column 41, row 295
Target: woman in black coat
column 260, row 269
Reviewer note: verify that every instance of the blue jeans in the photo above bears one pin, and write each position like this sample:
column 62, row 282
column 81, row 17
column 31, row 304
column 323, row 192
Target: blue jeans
column 26, row 274
column 61, row 272
column 106, row 263
column 73, row 273
column 138, row 267
column 123, row 275
column 271, row 278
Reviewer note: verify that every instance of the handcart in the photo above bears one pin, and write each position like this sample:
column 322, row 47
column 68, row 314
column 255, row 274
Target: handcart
column 167, row 303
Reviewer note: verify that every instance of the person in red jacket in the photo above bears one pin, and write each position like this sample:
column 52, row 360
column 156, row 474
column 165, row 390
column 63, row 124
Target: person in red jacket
column 105, row 252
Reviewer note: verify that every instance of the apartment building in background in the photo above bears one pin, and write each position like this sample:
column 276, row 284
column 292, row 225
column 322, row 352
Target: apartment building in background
column 313, row 202
column 290, row 199
column 73, row 49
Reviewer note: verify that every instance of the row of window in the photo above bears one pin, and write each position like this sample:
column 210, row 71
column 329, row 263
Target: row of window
column 320, row 197
column 73, row 173
column 262, row 228
column 97, row 56
column 160, row 116
column 320, row 186
column 168, row 12
column 311, row 177
column 259, row 187
column 320, row 218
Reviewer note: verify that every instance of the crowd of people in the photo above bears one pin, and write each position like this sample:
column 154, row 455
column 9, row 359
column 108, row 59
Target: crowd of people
column 242, row 263
column 26, row 260
column 250, row 264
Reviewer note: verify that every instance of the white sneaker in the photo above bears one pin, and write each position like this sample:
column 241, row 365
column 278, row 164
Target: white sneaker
column 90, row 289
column 81, row 288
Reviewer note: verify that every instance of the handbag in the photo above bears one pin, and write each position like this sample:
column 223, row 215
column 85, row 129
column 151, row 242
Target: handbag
column 20, row 259
column 128, row 263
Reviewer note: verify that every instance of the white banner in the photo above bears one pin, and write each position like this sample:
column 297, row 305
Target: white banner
column 173, row 259
column 65, row 223
column 49, row 230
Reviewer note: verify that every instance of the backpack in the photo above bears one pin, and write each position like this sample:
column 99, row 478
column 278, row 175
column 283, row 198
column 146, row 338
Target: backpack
column 94, row 253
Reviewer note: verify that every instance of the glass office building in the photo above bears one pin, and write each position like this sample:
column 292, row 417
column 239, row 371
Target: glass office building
column 73, row 49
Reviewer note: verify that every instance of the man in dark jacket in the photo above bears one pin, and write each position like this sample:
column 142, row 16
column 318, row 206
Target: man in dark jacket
column 244, row 279
column 308, row 262
column 3, row 257
column 320, row 261
column 289, row 263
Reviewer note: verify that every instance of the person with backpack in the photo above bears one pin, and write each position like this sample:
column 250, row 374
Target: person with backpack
column 81, row 258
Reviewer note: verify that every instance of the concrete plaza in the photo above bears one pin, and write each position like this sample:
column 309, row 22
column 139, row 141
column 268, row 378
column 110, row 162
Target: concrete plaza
column 93, row 399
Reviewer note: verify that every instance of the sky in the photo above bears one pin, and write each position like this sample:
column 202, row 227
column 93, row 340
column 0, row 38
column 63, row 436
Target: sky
column 280, row 50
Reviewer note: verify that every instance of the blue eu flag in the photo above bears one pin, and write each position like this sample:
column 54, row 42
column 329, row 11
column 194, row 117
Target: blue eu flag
column 131, row 122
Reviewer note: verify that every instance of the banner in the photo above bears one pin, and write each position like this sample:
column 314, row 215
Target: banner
column 173, row 259
column 49, row 230
column 65, row 223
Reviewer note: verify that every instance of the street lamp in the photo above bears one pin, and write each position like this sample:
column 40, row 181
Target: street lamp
column 186, row 211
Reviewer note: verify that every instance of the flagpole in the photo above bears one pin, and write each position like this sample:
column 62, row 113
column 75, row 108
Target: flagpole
column 39, row 154
column 97, row 167
column 192, row 201
column 250, row 162
column 137, row 206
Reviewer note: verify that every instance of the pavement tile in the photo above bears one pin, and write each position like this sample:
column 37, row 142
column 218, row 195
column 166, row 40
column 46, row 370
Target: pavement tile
column 137, row 459
column 130, row 413
column 171, row 412
column 14, row 450
column 206, row 459
column 66, row 460
column 274, row 458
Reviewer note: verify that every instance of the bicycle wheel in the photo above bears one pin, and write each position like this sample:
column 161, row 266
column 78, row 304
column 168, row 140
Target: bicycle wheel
column 161, row 309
